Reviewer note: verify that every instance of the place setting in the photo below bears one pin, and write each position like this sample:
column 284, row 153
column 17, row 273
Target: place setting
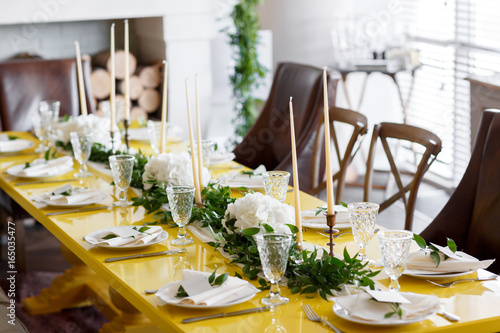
column 245, row 179
column 127, row 237
column 68, row 196
column 12, row 144
column 42, row 168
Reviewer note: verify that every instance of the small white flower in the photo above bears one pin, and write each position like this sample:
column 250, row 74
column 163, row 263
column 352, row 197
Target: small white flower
column 255, row 208
column 171, row 169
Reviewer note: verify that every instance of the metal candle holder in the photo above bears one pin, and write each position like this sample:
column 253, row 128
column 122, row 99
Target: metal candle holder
column 126, row 125
column 330, row 222
column 111, row 132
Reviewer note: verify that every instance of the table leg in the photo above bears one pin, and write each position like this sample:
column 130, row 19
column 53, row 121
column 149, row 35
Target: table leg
column 67, row 290
column 130, row 320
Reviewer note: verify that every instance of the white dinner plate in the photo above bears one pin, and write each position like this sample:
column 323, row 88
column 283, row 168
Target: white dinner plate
column 24, row 144
column 16, row 169
column 92, row 238
column 138, row 134
column 90, row 201
column 392, row 321
column 224, row 181
column 426, row 275
column 208, row 307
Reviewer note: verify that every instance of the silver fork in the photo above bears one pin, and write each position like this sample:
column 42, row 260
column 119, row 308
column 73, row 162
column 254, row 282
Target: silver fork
column 450, row 284
column 312, row 316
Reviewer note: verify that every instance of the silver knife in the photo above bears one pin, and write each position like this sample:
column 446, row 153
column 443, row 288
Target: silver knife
column 229, row 314
column 144, row 255
column 78, row 210
column 46, row 181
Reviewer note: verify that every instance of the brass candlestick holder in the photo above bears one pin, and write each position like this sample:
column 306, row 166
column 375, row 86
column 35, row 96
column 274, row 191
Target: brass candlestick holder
column 330, row 222
column 111, row 133
column 126, row 125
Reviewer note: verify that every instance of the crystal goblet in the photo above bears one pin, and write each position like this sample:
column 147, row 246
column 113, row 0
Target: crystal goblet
column 122, row 167
column 43, row 120
column 154, row 130
column 395, row 247
column 207, row 150
column 362, row 216
column 82, row 146
column 273, row 251
column 180, row 199
column 276, row 184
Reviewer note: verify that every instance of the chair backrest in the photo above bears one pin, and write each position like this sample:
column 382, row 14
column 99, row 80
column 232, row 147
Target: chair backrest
column 431, row 144
column 24, row 83
column 268, row 141
column 344, row 154
column 472, row 215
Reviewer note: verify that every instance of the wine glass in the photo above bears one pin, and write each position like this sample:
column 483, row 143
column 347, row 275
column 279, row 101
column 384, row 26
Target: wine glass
column 362, row 216
column 207, row 150
column 122, row 167
column 273, row 251
column 180, row 199
column 154, row 130
column 276, row 184
column 395, row 247
column 43, row 119
column 82, row 146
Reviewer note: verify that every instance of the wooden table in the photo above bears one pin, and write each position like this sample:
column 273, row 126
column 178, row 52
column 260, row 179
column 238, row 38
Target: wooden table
column 117, row 289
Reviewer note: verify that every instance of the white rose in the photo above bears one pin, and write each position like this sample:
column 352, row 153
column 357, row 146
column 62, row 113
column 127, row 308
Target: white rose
column 255, row 208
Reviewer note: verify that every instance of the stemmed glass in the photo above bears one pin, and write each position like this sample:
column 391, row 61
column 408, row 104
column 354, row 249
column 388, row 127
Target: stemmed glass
column 82, row 146
column 395, row 247
column 207, row 150
column 154, row 130
column 363, row 216
column 273, row 252
column 43, row 119
column 180, row 199
column 276, row 184
column 122, row 167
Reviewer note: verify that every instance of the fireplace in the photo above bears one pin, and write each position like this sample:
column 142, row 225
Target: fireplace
column 180, row 31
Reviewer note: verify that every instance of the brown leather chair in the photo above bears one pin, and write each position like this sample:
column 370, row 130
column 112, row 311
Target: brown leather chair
column 268, row 141
column 344, row 156
column 24, row 83
column 472, row 215
column 387, row 132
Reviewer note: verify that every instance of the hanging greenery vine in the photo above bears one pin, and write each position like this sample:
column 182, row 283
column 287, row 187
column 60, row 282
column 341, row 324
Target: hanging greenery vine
column 248, row 72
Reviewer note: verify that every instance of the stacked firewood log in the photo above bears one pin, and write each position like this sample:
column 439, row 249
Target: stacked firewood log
column 144, row 83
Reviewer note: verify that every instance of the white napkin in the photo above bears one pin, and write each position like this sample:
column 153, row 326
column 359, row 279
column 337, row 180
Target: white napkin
column 245, row 180
column 201, row 292
column 310, row 216
column 221, row 157
column 78, row 195
column 13, row 145
column 362, row 306
column 47, row 168
column 462, row 262
column 129, row 236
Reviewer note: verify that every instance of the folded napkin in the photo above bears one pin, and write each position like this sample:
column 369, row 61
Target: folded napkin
column 310, row 216
column 246, row 180
column 458, row 262
column 68, row 195
column 221, row 157
column 47, row 168
column 201, row 292
column 130, row 236
column 364, row 307
column 14, row 145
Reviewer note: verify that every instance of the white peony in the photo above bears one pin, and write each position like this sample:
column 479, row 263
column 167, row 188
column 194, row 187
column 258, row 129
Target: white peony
column 255, row 208
column 98, row 126
column 171, row 169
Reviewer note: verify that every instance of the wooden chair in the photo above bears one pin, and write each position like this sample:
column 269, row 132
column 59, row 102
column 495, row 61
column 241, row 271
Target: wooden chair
column 359, row 125
column 268, row 141
column 472, row 215
column 431, row 145
column 23, row 84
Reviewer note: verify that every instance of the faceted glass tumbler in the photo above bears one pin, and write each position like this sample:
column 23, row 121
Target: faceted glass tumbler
column 276, row 184
column 395, row 248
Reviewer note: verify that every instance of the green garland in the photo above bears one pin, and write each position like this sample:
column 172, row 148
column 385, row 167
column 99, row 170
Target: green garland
column 247, row 70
